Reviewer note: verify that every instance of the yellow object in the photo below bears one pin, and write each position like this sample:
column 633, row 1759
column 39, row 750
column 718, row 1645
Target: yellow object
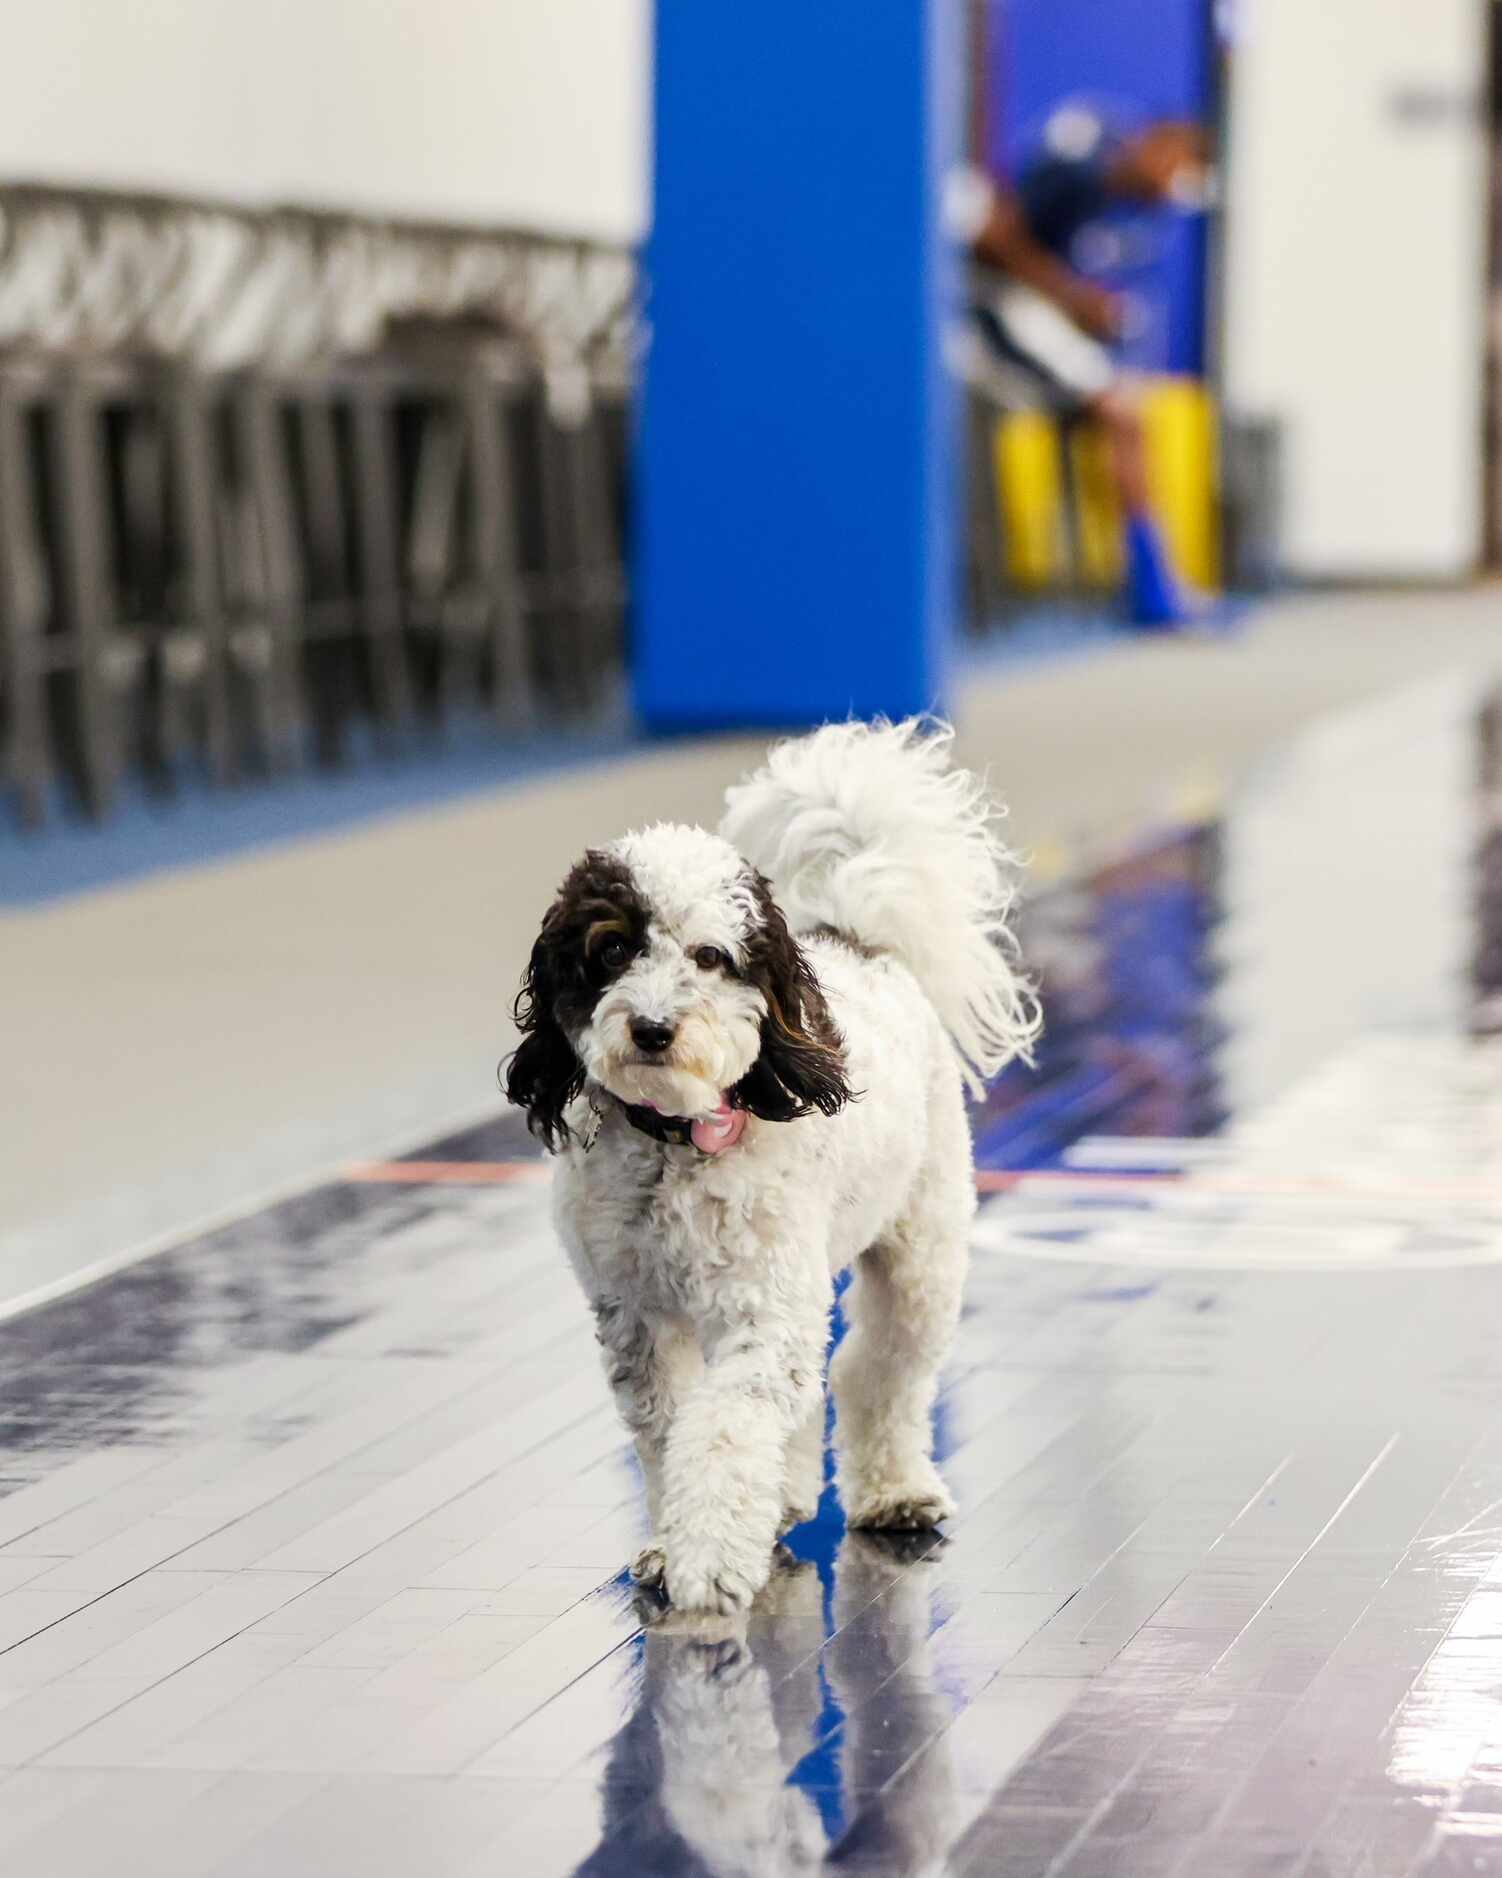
column 1179, row 432
column 1030, row 484
column 1178, row 422
column 1097, row 509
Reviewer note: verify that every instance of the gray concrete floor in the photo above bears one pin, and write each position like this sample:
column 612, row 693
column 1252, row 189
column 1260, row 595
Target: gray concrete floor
column 185, row 1043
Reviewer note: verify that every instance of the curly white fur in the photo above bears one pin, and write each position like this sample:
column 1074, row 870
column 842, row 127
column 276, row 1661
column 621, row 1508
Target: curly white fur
column 711, row 1276
column 867, row 828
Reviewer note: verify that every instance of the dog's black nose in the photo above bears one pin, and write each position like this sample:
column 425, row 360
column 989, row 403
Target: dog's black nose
column 649, row 1036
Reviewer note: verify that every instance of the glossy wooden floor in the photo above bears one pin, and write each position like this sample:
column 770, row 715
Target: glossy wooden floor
column 312, row 1529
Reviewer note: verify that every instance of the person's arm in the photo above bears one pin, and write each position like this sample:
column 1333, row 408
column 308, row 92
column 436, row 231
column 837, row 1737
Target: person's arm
column 1006, row 242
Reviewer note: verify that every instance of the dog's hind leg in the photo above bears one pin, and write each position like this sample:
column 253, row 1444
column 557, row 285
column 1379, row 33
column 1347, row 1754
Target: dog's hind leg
column 902, row 1308
column 902, row 1315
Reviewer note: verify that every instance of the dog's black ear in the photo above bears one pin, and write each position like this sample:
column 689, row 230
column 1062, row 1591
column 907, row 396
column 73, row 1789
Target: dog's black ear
column 543, row 1075
column 802, row 1062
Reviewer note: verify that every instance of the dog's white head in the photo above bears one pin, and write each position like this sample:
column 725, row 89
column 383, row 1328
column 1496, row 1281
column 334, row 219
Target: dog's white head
column 666, row 975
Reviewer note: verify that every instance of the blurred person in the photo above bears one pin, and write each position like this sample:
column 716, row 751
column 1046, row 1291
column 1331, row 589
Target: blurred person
column 1040, row 316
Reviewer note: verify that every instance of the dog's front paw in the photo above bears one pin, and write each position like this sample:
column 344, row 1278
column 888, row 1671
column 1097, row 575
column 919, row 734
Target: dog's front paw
column 919, row 1514
column 902, row 1506
column 649, row 1567
column 718, row 1582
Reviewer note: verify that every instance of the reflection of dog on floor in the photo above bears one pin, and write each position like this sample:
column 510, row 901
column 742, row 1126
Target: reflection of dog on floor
column 697, row 1780
column 731, row 1721
column 750, row 1051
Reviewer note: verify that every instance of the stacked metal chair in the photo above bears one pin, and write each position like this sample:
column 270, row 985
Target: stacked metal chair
column 222, row 560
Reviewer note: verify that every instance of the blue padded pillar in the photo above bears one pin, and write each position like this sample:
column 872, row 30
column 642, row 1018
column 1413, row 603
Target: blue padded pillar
column 797, row 470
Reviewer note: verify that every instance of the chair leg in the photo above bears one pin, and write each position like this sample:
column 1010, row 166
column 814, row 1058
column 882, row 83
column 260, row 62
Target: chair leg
column 273, row 565
column 24, row 604
column 193, row 481
column 594, row 558
column 380, row 571
column 330, row 624
column 497, row 556
column 84, row 524
column 564, row 576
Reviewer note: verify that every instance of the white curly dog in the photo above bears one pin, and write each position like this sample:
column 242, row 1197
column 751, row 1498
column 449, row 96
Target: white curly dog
column 749, row 1051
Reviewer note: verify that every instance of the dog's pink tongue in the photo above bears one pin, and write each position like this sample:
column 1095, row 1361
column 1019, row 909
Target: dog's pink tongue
column 719, row 1131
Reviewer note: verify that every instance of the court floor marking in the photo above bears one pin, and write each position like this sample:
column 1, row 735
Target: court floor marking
column 448, row 1173
column 987, row 1180
column 502, row 1173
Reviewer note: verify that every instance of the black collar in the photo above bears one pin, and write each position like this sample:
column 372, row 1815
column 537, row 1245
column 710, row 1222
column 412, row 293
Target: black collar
column 674, row 1129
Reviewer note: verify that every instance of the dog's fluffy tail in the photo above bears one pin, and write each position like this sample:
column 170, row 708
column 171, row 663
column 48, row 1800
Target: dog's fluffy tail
column 867, row 828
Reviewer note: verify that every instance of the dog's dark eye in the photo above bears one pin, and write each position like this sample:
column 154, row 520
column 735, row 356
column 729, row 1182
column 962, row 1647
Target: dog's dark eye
column 613, row 953
column 710, row 958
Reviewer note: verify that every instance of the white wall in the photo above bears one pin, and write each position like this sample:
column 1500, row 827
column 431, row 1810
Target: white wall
column 1355, row 271
column 531, row 112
